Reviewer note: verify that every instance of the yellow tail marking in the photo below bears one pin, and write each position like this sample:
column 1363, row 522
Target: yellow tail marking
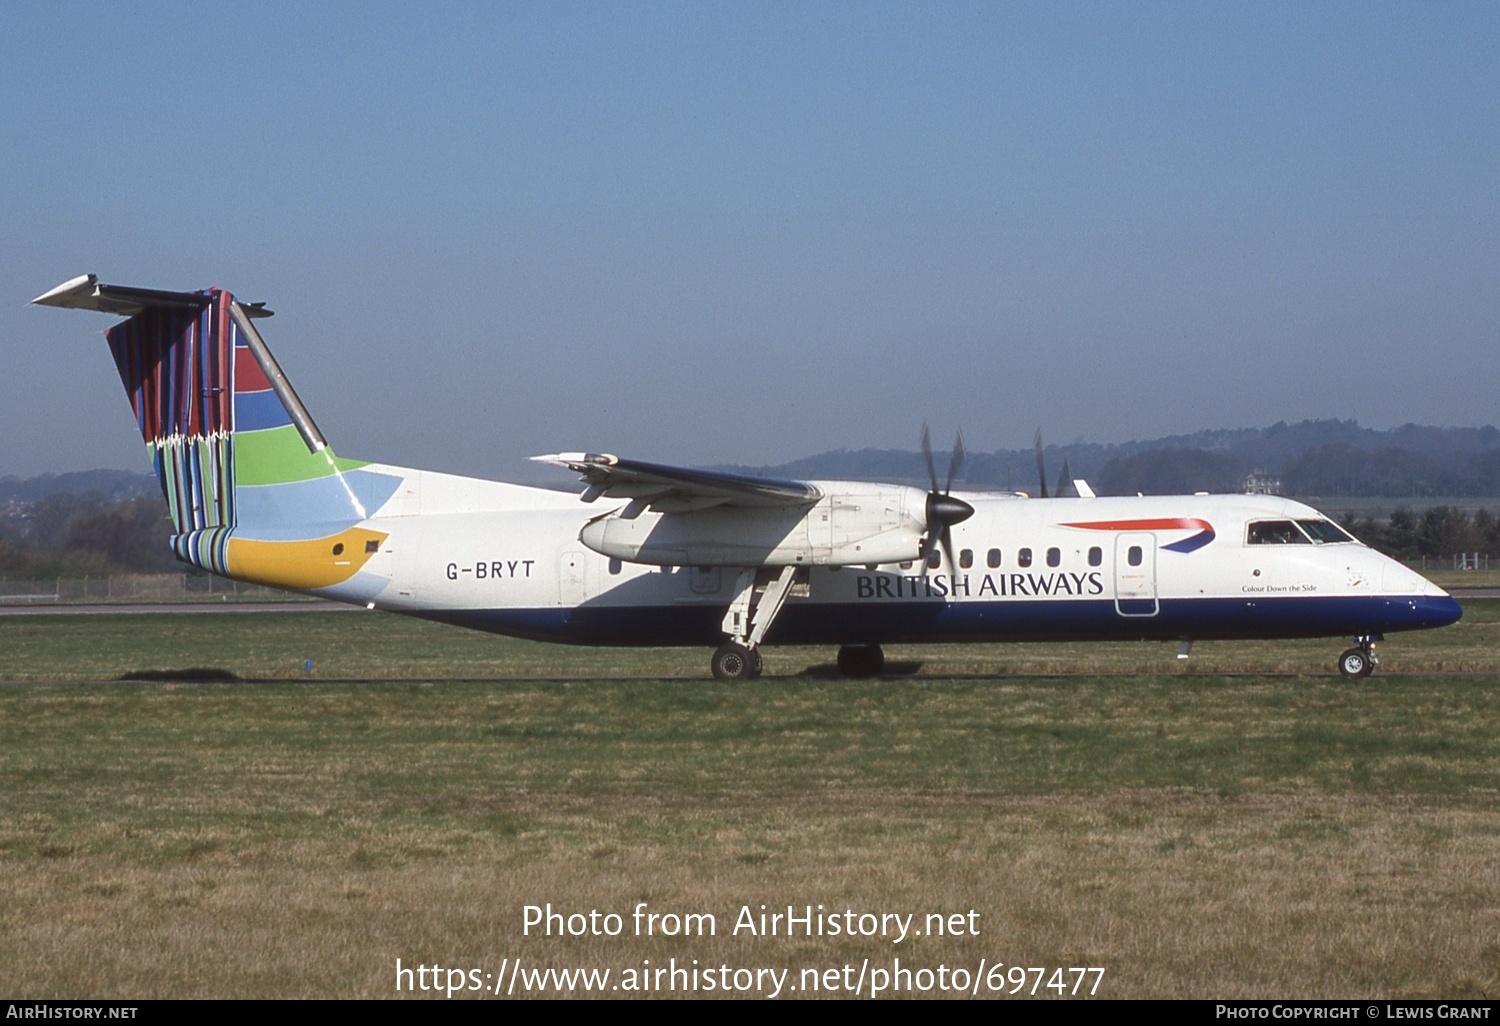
column 303, row 565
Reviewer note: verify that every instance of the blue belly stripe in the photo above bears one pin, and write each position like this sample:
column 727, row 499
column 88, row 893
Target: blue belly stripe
column 916, row 622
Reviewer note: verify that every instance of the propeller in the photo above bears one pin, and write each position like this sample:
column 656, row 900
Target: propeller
column 1065, row 487
column 1041, row 466
column 943, row 510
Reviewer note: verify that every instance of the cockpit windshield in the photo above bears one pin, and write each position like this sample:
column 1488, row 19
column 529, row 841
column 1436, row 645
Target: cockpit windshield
column 1276, row 532
column 1325, row 531
column 1298, row 532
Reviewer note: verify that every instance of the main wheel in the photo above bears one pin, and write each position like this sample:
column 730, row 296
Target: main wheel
column 860, row 661
column 1356, row 662
column 735, row 662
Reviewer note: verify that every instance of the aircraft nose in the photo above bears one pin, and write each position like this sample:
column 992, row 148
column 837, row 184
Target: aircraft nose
column 1436, row 610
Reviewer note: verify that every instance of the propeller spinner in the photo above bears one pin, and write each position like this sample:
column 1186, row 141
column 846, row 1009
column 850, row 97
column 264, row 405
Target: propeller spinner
column 943, row 510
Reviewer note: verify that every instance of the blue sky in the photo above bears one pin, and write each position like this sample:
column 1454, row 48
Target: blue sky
column 706, row 233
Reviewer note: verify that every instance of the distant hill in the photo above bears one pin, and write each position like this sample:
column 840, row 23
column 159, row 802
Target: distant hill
column 1323, row 458
column 1313, row 457
column 110, row 484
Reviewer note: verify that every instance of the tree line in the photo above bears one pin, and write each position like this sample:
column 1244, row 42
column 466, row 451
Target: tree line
column 1438, row 532
column 85, row 536
column 92, row 536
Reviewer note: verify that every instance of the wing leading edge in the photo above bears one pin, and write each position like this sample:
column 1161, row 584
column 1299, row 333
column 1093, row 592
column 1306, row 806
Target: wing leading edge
column 667, row 489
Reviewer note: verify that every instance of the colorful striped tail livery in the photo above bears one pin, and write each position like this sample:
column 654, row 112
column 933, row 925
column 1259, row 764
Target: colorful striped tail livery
column 240, row 461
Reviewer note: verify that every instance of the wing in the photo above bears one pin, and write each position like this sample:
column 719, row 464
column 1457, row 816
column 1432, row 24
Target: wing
column 678, row 489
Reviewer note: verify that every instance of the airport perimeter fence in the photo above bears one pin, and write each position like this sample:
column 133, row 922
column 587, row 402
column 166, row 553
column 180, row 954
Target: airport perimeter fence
column 1461, row 561
column 137, row 588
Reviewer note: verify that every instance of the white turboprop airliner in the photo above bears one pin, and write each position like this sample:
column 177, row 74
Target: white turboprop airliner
column 658, row 555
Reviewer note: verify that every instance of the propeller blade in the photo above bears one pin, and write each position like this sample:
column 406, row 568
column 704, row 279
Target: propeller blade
column 1065, row 481
column 955, row 462
column 1041, row 466
column 927, row 455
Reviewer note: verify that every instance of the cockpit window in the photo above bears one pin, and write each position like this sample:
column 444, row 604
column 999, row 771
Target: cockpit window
column 1325, row 531
column 1276, row 532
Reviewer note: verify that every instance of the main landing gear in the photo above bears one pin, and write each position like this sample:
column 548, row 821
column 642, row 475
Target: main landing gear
column 1359, row 661
column 746, row 623
column 861, row 661
column 733, row 661
column 750, row 616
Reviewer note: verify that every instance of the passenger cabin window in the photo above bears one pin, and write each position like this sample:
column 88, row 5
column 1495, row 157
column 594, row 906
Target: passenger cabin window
column 1096, row 556
column 934, row 559
column 1023, row 558
column 965, row 558
column 992, row 558
column 614, row 566
column 1054, row 557
column 1133, row 556
column 1276, row 532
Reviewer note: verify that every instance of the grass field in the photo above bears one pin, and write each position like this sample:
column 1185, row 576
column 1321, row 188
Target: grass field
column 1246, row 825
column 362, row 645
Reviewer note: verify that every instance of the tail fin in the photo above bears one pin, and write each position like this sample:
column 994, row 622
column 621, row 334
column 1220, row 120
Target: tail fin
column 234, row 449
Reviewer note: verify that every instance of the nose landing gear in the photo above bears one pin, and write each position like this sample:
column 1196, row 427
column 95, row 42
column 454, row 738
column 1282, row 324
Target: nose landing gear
column 1359, row 661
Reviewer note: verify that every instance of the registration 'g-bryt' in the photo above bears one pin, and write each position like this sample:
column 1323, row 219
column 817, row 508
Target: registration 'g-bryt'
column 659, row 555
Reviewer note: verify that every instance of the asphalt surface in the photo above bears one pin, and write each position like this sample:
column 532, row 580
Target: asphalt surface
column 119, row 608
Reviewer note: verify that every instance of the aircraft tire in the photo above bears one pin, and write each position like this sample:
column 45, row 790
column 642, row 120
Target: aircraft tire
column 861, row 661
column 734, row 662
column 1356, row 662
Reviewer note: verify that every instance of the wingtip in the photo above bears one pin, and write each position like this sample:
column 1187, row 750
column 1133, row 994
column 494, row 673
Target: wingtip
column 569, row 459
column 67, row 290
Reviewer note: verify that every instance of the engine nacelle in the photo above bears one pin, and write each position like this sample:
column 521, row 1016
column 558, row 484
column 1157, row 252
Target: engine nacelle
column 846, row 527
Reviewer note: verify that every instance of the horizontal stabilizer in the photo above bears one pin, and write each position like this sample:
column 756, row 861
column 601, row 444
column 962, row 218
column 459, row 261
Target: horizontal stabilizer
column 86, row 293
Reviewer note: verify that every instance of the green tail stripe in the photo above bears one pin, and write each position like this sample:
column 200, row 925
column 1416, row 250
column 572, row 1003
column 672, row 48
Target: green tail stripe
column 279, row 455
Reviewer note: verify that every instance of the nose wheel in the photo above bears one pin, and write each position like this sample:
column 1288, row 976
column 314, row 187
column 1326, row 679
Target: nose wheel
column 1359, row 661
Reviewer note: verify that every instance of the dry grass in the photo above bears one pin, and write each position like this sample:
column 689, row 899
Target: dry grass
column 1197, row 836
column 1175, row 894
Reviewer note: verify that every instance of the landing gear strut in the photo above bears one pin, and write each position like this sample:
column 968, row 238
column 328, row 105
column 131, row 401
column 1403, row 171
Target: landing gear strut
column 746, row 623
column 1359, row 661
column 860, row 661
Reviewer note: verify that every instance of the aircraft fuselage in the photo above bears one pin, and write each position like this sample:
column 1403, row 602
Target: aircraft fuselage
column 1173, row 567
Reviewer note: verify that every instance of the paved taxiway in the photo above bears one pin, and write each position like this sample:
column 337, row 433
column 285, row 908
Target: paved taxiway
column 118, row 608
